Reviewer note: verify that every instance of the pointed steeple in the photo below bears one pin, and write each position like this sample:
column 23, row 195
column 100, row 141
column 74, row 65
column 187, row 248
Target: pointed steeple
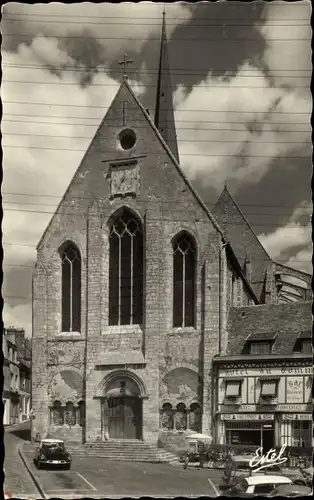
column 164, row 114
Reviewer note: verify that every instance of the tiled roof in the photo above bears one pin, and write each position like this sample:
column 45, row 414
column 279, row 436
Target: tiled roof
column 305, row 335
column 242, row 238
column 256, row 336
column 262, row 320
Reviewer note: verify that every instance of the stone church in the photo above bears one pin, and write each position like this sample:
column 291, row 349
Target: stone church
column 133, row 284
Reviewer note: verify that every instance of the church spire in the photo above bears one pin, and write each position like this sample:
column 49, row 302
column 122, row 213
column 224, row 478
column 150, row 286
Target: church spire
column 164, row 114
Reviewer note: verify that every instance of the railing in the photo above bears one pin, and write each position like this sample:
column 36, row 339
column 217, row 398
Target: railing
column 298, row 457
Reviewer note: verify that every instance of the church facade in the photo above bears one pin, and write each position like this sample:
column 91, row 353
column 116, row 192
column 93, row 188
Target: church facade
column 133, row 285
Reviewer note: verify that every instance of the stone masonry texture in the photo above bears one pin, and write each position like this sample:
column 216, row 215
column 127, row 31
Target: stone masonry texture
column 168, row 364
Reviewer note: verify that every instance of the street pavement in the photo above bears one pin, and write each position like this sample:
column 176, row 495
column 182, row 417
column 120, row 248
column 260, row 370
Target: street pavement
column 17, row 479
column 98, row 478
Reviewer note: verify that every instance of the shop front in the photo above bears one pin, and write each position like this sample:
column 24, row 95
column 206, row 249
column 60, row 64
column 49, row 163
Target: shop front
column 247, row 430
column 296, row 429
column 265, row 404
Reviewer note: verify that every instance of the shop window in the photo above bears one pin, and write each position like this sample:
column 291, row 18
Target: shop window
column 260, row 348
column 181, row 417
column 167, row 417
column 302, row 433
column 233, row 389
column 269, row 388
column 306, row 347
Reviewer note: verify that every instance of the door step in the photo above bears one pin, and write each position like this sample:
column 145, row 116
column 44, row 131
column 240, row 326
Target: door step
column 125, row 450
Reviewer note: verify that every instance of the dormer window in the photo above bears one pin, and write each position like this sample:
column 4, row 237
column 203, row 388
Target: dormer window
column 260, row 348
column 306, row 346
column 259, row 344
column 303, row 343
column 233, row 388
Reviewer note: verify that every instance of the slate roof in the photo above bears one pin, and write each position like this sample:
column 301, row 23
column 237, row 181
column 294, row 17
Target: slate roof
column 242, row 238
column 289, row 320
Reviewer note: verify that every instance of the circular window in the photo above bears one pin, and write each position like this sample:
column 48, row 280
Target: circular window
column 127, row 139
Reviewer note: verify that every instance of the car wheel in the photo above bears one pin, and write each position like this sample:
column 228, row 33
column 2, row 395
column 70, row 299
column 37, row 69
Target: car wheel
column 38, row 465
column 67, row 467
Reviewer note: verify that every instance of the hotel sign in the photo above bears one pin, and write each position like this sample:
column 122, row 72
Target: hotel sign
column 279, row 407
column 256, row 372
column 247, row 416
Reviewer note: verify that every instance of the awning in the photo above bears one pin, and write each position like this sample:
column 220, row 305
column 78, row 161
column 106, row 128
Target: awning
column 233, row 389
column 269, row 388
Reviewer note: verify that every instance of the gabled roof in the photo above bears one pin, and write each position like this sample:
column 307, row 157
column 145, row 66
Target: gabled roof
column 125, row 85
column 263, row 320
column 243, row 239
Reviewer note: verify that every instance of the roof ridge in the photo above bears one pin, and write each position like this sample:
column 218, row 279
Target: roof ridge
column 244, row 218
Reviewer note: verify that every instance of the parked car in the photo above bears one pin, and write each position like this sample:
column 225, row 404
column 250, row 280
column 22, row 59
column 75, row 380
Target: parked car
column 257, row 485
column 52, row 452
column 239, row 465
column 291, row 490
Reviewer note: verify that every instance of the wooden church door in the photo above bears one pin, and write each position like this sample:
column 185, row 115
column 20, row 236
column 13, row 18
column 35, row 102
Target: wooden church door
column 125, row 418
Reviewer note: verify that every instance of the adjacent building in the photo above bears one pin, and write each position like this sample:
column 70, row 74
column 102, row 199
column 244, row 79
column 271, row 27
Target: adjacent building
column 263, row 394
column 17, row 376
column 135, row 285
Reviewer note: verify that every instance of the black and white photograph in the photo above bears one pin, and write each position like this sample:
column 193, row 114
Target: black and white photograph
column 157, row 241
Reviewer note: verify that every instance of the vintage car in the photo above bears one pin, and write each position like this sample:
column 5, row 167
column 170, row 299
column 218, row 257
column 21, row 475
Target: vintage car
column 239, row 465
column 264, row 485
column 52, row 452
column 291, row 490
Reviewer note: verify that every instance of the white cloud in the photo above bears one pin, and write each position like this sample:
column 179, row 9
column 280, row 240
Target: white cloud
column 226, row 116
column 19, row 316
column 289, row 239
column 116, row 27
column 289, row 60
column 48, row 172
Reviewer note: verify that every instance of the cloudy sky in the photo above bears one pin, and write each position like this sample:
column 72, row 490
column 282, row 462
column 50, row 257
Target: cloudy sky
column 241, row 81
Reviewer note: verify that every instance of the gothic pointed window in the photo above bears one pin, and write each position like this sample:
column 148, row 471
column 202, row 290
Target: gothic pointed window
column 184, row 261
column 71, row 288
column 126, row 270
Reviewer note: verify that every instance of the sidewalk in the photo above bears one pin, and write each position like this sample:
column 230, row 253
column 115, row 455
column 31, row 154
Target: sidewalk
column 18, row 481
column 13, row 426
column 26, row 452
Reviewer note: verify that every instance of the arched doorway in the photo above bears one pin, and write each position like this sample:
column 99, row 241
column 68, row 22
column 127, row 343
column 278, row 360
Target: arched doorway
column 122, row 409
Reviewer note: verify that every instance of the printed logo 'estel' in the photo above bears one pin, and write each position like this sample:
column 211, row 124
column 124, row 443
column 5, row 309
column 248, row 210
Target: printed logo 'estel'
column 260, row 461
